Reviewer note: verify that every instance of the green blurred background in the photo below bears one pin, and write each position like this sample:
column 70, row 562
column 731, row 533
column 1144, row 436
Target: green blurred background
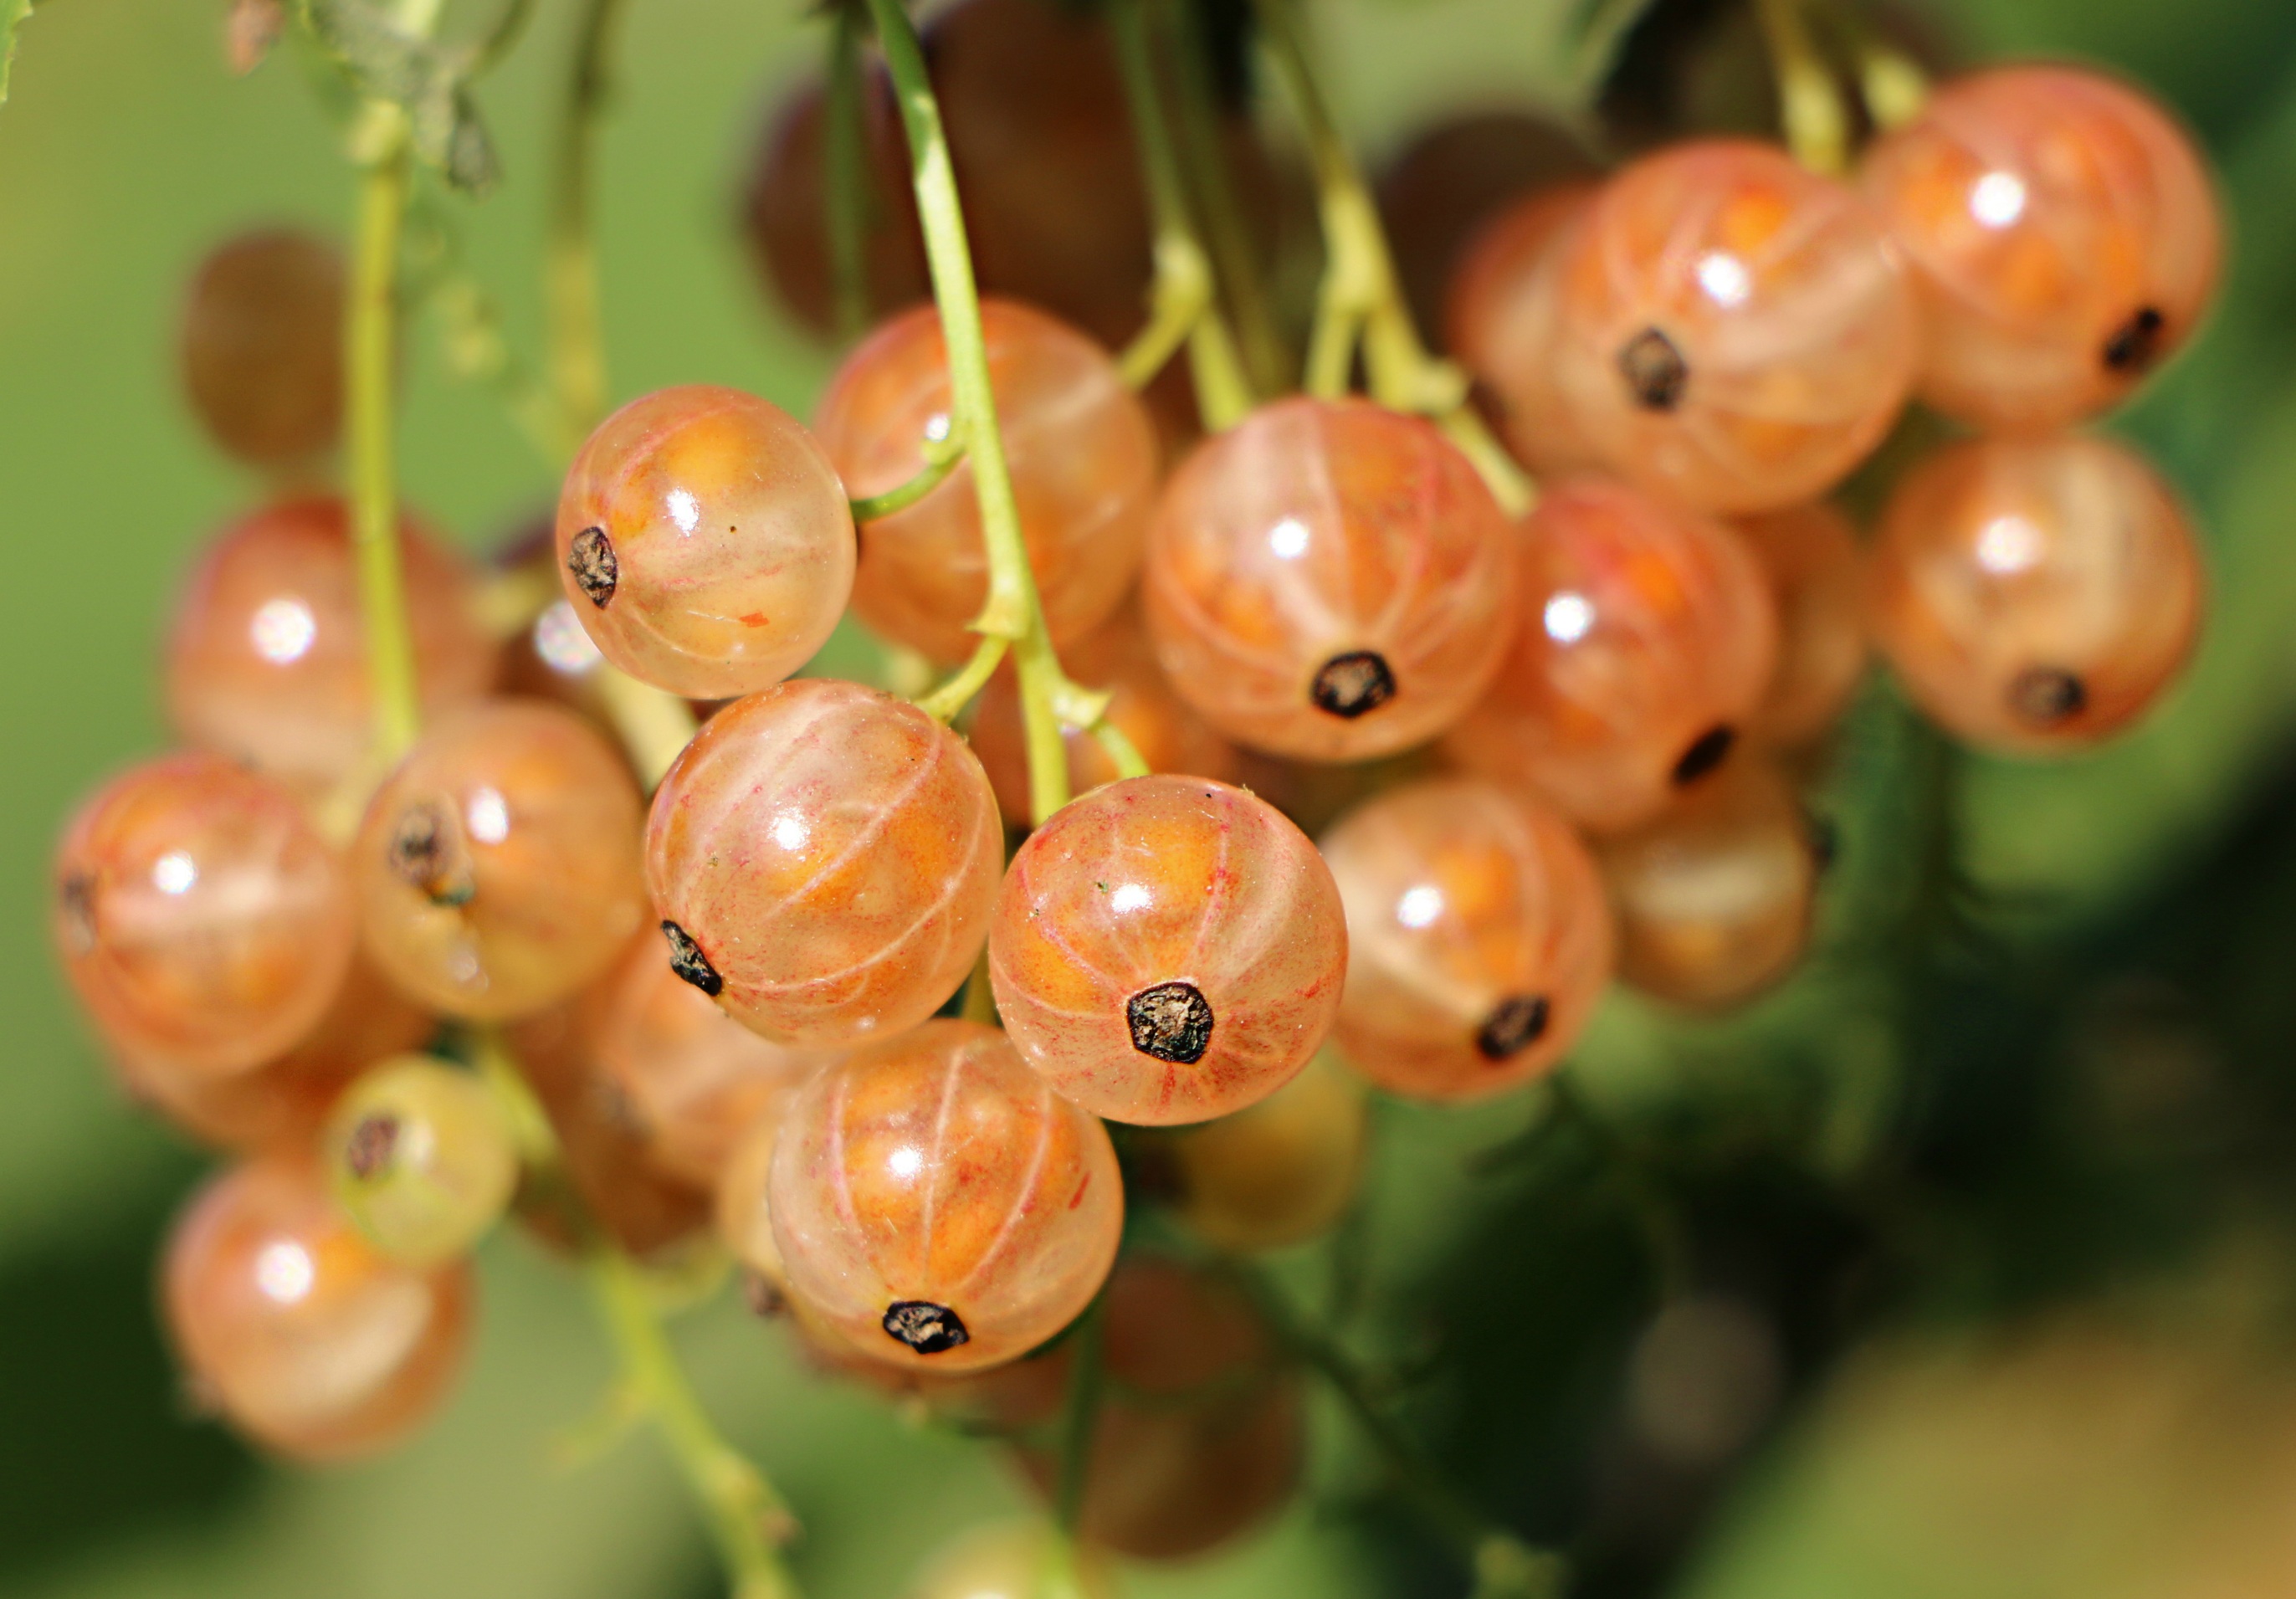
column 2065, row 1380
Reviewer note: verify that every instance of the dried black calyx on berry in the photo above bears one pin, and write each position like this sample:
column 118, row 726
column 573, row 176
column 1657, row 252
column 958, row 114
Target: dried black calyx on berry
column 2046, row 696
column 593, row 565
column 1349, row 686
column 1656, row 373
column 76, row 903
column 1514, row 1024
column 928, row 1328
column 1707, row 752
column 686, row 959
column 373, row 1141
column 426, row 852
column 1172, row 1022
column 2136, row 344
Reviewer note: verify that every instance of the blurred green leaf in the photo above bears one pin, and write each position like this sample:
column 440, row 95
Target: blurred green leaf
column 13, row 13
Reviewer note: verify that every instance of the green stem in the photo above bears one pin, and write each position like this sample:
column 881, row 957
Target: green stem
column 1891, row 82
column 578, row 355
column 1810, row 113
column 1122, row 752
column 939, row 462
column 1088, row 1365
column 844, row 191
column 369, row 367
column 953, row 696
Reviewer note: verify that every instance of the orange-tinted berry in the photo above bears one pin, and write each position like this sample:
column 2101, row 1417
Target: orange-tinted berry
column 1279, row 1172
column 1478, row 938
column 267, row 657
column 1083, row 457
column 1491, row 320
column 704, row 541
column 203, row 923
column 824, row 858
column 1713, row 897
column 1816, row 576
column 1329, row 579
column 497, row 866
column 1722, row 325
column 2063, row 232
column 2035, row 594
column 1647, row 641
column 744, row 1200
column 262, row 345
column 305, row 1338
column 936, row 1202
column 1167, row 949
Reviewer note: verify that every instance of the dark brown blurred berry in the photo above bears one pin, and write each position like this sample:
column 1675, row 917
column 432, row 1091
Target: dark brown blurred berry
column 262, row 345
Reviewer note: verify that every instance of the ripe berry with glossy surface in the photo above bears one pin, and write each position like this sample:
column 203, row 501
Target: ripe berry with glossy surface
column 203, row 923
column 2035, row 594
column 1082, row 456
column 2062, row 231
column 1329, row 579
column 1167, row 949
column 1648, row 639
column 1817, row 580
column 1478, row 938
column 938, row 1203
column 824, row 859
column 262, row 345
column 704, row 541
column 1279, row 1172
column 1493, row 320
column 307, row 1340
column 420, row 1159
column 266, row 656
column 497, row 866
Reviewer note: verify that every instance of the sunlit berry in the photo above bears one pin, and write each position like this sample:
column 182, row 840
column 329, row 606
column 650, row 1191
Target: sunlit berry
column 1279, row 1172
column 262, row 345
column 1723, row 326
column 420, row 1156
column 744, row 1201
column 1478, row 938
column 1495, row 321
column 2035, row 594
column 1114, row 656
column 824, row 859
column 704, row 541
column 1329, row 579
column 1647, row 641
column 203, row 923
column 1713, row 897
column 1083, row 457
column 497, row 866
column 1816, row 576
column 1167, row 950
column 2064, row 234
column 305, row 1338
column 266, row 656
column 936, row 1201
column 1007, row 1560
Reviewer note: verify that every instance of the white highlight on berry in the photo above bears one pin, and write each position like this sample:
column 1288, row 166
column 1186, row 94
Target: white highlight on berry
column 284, row 1272
column 488, row 816
column 1997, row 199
column 1725, row 278
column 685, row 510
column 936, row 427
column 562, row 645
column 1288, row 538
column 1131, row 896
column 1568, row 616
column 1419, row 906
column 2008, row 545
column 282, row 630
column 905, row 1161
column 791, row 833
column 175, row 873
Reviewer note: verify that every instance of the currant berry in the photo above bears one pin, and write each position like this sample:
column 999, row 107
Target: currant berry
column 1816, row 577
column 1723, row 326
column 1713, row 897
column 309, row 1341
column 1007, row 1560
column 704, row 541
column 262, row 347
column 1330, row 580
column 1492, row 316
column 267, row 657
column 497, row 866
column 1114, row 656
column 420, row 1159
column 1478, row 938
column 1279, row 1172
column 1083, row 457
column 1647, row 641
column 744, row 1206
column 2064, row 236
column 824, row 858
column 1167, row 950
column 935, row 1200
column 2035, row 594
column 203, row 924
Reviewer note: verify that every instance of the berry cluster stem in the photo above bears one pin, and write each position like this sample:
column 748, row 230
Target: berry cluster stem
column 369, row 365
column 1810, row 110
column 578, row 355
column 844, row 185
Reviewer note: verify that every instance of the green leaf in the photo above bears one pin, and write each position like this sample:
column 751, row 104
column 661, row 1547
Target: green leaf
column 11, row 13
column 427, row 79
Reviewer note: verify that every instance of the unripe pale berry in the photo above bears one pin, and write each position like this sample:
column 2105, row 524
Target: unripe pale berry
column 420, row 1159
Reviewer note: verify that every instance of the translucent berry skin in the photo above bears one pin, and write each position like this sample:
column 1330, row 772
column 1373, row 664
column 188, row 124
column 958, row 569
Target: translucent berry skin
column 1816, row 574
column 1713, row 897
column 267, row 657
column 262, row 345
column 2035, row 594
column 744, row 1210
column 1492, row 312
column 1279, row 1172
column 1142, row 705
column 1083, row 455
column 832, row 855
column 309, row 1341
column 1648, row 639
column 1723, row 326
column 933, row 1184
column 704, row 541
column 204, row 925
column 1167, row 949
column 2064, row 233
column 497, row 866
column 1329, row 580
column 420, row 1157
column 1478, row 938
